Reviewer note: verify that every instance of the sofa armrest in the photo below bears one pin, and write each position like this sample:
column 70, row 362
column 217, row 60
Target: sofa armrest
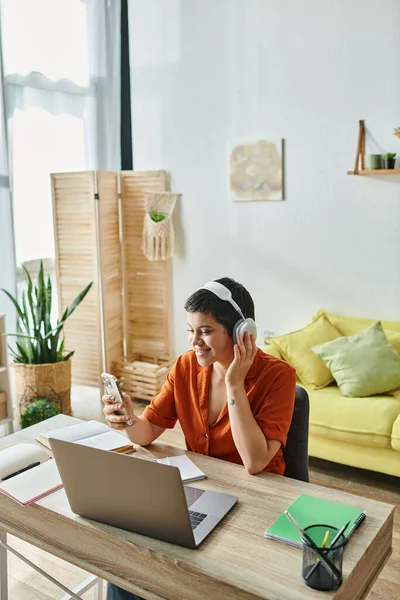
column 395, row 438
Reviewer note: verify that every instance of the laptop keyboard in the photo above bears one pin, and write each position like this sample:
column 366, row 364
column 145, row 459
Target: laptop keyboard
column 196, row 518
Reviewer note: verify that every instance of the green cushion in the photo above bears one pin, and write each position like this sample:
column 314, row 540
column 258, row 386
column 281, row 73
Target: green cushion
column 363, row 364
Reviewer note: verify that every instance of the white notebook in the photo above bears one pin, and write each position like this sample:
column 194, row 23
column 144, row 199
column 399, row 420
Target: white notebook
column 31, row 485
column 188, row 470
column 89, row 433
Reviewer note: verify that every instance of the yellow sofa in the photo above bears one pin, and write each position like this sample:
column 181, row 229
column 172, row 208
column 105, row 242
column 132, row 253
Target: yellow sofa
column 360, row 432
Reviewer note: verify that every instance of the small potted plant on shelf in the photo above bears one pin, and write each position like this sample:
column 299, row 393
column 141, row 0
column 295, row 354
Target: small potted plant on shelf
column 39, row 358
column 389, row 160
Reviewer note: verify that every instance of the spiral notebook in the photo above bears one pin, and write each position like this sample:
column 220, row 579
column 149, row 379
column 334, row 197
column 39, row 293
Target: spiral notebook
column 308, row 510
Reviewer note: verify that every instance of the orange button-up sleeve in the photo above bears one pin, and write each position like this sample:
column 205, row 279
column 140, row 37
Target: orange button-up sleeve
column 162, row 411
column 274, row 414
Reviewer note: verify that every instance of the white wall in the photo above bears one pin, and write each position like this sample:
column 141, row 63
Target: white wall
column 207, row 72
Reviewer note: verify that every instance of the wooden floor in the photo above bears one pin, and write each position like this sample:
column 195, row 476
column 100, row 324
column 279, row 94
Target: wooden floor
column 378, row 487
column 26, row 584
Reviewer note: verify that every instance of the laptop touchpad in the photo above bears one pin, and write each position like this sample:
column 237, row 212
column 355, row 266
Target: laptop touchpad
column 192, row 494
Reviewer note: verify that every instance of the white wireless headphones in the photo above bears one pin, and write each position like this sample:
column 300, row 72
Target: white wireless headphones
column 243, row 324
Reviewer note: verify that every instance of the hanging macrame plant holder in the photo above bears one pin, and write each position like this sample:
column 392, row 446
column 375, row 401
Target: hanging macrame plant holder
column 158, row 232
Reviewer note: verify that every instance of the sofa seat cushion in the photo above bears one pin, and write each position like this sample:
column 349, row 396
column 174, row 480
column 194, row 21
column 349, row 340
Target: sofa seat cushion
column 366, row 421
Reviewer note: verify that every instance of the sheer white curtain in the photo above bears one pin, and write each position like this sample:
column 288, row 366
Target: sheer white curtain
column 7, row 256
column 62, row 103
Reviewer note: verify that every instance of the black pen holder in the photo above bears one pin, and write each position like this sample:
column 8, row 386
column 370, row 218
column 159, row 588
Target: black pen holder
column 322, row 567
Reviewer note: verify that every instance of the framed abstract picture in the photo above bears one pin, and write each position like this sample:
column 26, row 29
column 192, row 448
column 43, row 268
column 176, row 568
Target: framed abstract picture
column 256, row 170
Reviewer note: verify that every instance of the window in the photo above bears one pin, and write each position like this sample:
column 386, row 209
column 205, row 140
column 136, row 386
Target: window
column 50, row 102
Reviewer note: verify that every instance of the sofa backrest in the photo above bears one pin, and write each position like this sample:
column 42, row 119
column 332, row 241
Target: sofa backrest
column 352, row 325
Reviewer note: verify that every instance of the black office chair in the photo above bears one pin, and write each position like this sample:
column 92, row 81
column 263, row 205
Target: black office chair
column 295, row 453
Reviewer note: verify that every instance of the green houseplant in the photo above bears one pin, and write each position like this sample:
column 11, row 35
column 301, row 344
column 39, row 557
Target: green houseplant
column 38, row 411
column 389, row 160
column 38, row 357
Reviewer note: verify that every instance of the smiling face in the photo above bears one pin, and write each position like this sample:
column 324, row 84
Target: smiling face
column 209, row 339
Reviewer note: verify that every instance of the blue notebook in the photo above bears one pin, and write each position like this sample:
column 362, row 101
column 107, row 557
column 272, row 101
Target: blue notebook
column 308, row 510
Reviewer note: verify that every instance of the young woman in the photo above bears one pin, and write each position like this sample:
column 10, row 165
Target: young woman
column 233, row 401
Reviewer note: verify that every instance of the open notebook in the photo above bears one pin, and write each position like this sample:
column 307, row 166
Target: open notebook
column 89, row 433
column 308, row 510
column 27, row 473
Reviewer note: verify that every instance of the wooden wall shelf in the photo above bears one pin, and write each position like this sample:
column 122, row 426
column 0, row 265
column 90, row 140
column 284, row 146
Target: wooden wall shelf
column 375, row 172
column 359, row 167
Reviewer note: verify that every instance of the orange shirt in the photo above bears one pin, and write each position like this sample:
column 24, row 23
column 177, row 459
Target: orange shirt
column 270, row 387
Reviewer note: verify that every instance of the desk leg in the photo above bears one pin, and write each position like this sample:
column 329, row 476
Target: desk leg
column 99, row 590
column 3, row 567
column 5, row 546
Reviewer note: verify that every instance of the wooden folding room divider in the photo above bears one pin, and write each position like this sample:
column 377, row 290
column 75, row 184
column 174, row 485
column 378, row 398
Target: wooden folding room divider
column 98, row 224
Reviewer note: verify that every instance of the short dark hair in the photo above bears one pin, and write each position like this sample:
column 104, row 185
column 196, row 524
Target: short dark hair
column 208, row 303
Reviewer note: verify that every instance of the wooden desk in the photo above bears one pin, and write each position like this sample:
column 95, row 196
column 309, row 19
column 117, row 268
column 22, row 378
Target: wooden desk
column 234, row 563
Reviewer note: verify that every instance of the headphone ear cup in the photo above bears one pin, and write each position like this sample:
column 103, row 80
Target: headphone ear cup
column 243, row 325
column 236, row 327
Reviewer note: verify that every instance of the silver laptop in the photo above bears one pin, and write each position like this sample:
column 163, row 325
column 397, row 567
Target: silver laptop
column 138, row 495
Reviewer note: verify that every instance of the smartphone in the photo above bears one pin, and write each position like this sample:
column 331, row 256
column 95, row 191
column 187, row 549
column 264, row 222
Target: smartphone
column 111, row 388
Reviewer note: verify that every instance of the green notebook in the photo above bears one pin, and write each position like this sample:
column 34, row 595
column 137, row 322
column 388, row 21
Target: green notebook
column 308, row 510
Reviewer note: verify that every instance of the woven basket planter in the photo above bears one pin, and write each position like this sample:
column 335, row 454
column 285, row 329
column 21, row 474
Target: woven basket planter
column 142, row 376
column 54, row 376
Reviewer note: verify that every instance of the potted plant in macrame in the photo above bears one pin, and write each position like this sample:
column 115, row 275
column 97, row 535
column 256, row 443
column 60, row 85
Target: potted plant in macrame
column 39, row 358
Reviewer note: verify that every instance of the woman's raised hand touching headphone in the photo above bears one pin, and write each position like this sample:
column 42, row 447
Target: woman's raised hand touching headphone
column 244, row 352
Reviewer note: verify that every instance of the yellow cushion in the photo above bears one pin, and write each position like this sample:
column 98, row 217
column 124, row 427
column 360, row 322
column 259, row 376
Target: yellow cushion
column 272, row 350
column 363, row 421
column 353, row 325
column 295, row 349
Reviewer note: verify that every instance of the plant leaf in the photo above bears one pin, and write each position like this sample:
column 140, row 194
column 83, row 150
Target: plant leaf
column 49, row 298
column 60, row 351
column 42, row 298
column 14, row 354
column 25, row 312
column 70, row 309
column 23, row 353
column 15, row 302
column 30, row 298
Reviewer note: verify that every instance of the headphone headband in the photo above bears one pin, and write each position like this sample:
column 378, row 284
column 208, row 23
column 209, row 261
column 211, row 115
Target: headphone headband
column 223, row 293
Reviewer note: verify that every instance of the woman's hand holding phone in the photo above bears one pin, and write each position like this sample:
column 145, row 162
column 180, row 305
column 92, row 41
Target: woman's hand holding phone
column 118, row 407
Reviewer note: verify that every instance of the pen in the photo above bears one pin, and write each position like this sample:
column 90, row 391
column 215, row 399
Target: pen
column 339, row 533
column 356, row 524
column 35, row 464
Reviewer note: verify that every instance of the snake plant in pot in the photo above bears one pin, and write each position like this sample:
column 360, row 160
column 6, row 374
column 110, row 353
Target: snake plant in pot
column 39, row 358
